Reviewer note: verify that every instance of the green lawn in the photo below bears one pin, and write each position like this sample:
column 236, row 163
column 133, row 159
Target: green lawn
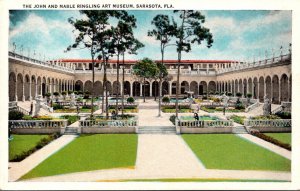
column 90, row 152
column 282, row 137
column 199, row 180
column 228, row 151
column 23, row 143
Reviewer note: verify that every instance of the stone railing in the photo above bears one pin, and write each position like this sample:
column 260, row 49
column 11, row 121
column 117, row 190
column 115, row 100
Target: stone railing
column 268, row 61
column 278, row 109
column 37, row 123
column 12, row 104
column 286, row 106
column 216, row 104
column 269, row 123
column 24, row 111
column 46, row 107
column 108, row 123
column 253, row 106
column 204, row 124
column 38, row 62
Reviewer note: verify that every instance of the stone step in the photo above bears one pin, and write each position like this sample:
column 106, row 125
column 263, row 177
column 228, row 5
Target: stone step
column 239, row 130
column 156, row 130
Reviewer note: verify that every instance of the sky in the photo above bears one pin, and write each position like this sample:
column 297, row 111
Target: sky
column 238, row 35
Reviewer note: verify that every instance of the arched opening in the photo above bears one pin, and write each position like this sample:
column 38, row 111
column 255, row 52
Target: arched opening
column 194, row 87
column 115, row 87
column 212, row 87
column 126, row 88
column 146, row 89
column 202, row 88
column 12, row 86
column 241, row 86
column 245, row 87
column 250, row 86
column 165, row 88
column 39, row 82
column 184, row 87
column 275, row 87
column 44, row 87
column 78, row 85
column 27, row 87
column 33, row 87
column 255, row 88
column 136, row 88
column 98, row 90
column 174, row 88
column 236, row 87
column 155, row 89
column 268, row 88
column 108, row 86
column 20, row 87
column 261, row 89
column 284, row 88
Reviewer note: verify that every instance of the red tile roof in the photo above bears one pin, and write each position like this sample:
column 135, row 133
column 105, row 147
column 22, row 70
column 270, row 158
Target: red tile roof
column 166, row 61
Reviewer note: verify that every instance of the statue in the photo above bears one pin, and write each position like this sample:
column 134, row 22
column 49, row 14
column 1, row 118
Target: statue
column 225, row 102
column 72, row 102
column 38, row 100
column 267, row 106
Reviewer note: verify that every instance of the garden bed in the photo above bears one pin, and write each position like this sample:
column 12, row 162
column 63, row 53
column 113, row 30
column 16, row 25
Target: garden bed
column 21, row 146
column 220, row 109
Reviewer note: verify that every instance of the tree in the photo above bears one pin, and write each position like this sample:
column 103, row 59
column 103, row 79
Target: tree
column 163, row 32
column 189, row 30
column 92, row 34
column 145, row 69
column 122, row 33
column 130, row 46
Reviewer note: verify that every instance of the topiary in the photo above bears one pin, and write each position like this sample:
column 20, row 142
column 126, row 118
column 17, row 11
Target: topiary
column 238, row 94
column 165, row 99
column 229, row 94
column 130, row 100
column 48, row 94
column 56, row 93
column 249, row 95
column 15, row 115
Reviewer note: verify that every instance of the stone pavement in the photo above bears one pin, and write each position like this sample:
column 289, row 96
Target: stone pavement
column 17, row 170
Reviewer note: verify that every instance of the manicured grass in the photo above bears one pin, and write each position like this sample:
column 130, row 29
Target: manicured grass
column 90, row 152
column 23, row 143
column 282, row 137
column 228, row 151
column 199, row 180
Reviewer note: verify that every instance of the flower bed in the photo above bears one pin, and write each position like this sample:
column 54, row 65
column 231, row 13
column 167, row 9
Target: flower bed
column 271, row 140
column 220, row 109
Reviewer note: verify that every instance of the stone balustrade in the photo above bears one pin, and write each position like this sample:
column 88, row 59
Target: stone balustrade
column 38, row 62
column 253, row 106
column 277, row 123
column 204, row 124
column 108, row 123
column 15, row 124
column 269, row 61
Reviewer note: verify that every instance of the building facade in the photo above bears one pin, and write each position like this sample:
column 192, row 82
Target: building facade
column 270, row 77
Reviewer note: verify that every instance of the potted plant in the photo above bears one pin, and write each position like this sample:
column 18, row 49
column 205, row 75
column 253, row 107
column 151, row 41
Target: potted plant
column 165, row 99
column 56, row 94
column 130, row 100
column 64, row 94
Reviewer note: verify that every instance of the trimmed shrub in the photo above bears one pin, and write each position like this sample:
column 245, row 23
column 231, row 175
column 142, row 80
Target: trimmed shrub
column 172, row 119
column 57, row 106
column 75, row 92
column 15, row 115
column 165, row 100
column 38, row 146
column 229, row 94
column 271, row 140
column 239, row 105
column 284, row 115
column 249, row 95
column 48, row 94
column 56, row 94
column 130, row 100
column 238, row 94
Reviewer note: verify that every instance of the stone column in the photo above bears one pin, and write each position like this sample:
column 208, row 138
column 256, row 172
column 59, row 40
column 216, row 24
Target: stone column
column 121, row 88
column 131, row 89
column 36, row 90
column 16, row 89
column 253, row 90
column 279, row 91
column 23, row 95
column 41, row 89
column 30, row 97
column 170, row 88
column 150, row 89
column 141, row 89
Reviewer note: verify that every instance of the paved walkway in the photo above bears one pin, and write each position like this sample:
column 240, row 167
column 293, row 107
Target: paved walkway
column 17, row 170
column 161, row 156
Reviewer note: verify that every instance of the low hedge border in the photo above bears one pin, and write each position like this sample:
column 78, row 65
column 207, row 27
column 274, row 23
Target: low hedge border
column 43, row 142
column 271, row 140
